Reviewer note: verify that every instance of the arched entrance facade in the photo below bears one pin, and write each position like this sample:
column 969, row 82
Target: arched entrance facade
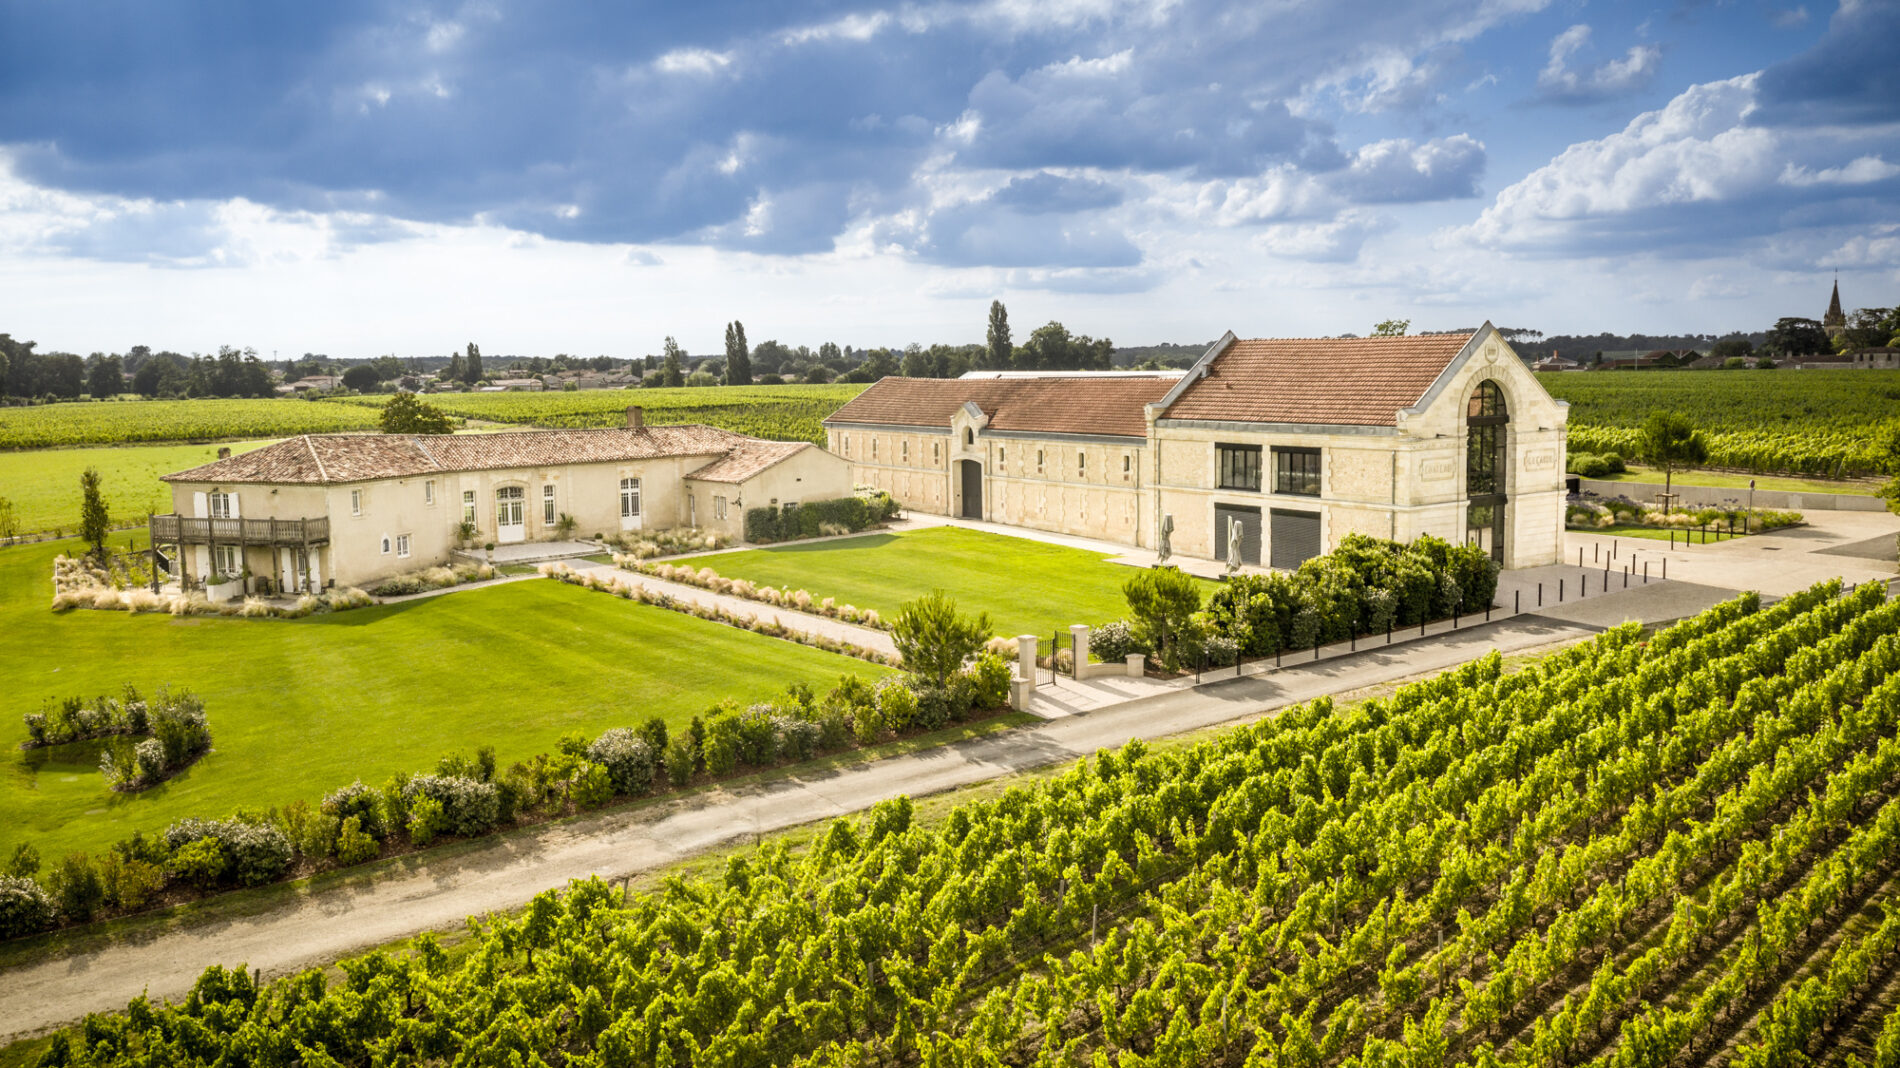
column 1487, row 464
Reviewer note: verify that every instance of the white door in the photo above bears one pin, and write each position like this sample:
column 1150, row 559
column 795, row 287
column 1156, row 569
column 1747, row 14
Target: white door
column 511, row 520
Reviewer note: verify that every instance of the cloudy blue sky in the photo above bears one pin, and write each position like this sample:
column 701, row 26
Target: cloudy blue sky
column 366, row 177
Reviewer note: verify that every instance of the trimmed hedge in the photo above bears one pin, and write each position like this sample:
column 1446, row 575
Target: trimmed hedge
column 811, row 519
column 1364, row 586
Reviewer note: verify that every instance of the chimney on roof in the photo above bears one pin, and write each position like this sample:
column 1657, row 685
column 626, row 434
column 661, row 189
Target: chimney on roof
column 636, row 417
column 224, row 452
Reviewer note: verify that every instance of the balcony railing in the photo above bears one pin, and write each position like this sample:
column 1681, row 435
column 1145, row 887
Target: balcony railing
column 185, row 530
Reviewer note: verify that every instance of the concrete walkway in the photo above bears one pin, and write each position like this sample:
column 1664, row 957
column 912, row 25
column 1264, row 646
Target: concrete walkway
column 427, row 893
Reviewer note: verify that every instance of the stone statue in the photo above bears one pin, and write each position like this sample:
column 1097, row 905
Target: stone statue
column 1166, row 549
column 1233, row 546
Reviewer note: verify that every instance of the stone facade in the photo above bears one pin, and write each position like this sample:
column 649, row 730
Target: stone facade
column 1399, row 478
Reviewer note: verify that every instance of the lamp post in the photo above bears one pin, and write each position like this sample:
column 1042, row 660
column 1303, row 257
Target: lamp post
column 1748, row 515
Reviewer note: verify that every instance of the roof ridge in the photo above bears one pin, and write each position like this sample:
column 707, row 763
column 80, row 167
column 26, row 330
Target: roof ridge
column 318, row 460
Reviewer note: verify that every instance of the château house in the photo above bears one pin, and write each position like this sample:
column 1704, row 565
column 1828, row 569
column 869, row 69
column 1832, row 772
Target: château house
column 350, row 509
column 1300, row 441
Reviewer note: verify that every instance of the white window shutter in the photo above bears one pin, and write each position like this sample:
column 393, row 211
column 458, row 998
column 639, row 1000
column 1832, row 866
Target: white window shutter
column 234, row 504
column 198, row 505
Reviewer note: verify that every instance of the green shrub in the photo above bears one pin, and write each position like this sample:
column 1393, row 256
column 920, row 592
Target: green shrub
column 253, row 852
column 319, row 836
column 721, row 747
column 1589, row 465
column 25, row 907
column 77, row 888
column 682, row 757
column 989, row 678
column 866, row 723
column 425, row 820
column 758, row 736
column 1114, row 640
column 201, row 863
column 360, row 801
column 653, row 732
column 797, row 738
column 128, row 881
column 628, row 758
column 896, row 703
column 469, row 806
column 934, row 639
column 353, row 844
column 592, row 786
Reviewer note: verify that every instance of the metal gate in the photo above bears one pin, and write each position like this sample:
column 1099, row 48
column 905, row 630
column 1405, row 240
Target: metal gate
column 1295, row 537
column 1249, row 532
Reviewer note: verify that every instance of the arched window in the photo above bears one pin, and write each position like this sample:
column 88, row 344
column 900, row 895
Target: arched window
column 969, row 435
column 1486, row 418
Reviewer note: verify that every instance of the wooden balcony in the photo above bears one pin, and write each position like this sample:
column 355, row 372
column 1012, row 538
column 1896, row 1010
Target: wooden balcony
column 185, row 530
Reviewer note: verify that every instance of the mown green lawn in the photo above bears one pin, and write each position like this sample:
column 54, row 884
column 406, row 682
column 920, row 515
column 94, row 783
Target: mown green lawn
column 1027, row 587
column 300, row 707
column 1628, row 530
column 43, row 484
column 1729, row 480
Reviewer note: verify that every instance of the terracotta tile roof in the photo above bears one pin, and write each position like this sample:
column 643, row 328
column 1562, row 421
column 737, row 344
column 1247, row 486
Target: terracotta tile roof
column 1326, row 381
column 1108, row 406
column 749, row 459
column 323, row 458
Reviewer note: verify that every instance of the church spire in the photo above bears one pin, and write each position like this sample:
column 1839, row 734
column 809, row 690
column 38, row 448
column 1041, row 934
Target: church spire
column 1835, row 320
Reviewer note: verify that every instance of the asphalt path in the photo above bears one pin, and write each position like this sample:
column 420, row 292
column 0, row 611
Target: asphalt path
column 423, row 893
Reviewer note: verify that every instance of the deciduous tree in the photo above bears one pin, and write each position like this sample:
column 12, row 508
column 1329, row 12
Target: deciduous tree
column 1670, row 441
column 472, row 364
column 1392, row 328
column 671, row 375
column 407, row 413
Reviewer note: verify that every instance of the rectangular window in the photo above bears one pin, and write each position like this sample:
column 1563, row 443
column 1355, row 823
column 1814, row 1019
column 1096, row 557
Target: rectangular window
column 1002, row 457
column 1239, row 467
column 547, row 505
column 904, row 451
column 219, row 505
column 1081, row 464
column 402, row 545
column 873, row 448
column 719, row 508
column 1128, row 466
column 935, row 452
column 1296, row 471
column 356, row 503
column 629, row 498
column 468, row 506
column 227, row 563
column 847, row 445
column 428, row 491
column 1039, row 461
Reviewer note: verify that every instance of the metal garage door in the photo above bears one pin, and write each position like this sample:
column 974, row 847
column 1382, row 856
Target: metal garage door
column 1295, row 537
column 1249, row 532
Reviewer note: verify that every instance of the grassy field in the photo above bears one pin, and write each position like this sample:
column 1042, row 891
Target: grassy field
column 205, row 419
column 1027, row 587
column 1662, row 534
column 43, row 484
column 785, row 413
column 1727, row 480
column 301, row 707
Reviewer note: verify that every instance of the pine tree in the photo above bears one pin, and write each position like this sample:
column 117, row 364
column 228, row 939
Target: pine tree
column 999, row 354
column 472, row 369
column 93, row 520
column 671, row 375
column 738, row 358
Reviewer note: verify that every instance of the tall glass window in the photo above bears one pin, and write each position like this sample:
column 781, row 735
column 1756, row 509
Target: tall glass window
column 1239, row 466
column 1296, row 471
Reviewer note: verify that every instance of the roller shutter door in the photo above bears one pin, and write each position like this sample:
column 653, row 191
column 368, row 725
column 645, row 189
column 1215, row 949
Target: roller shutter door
column 1249, row 532
column 1295, row 537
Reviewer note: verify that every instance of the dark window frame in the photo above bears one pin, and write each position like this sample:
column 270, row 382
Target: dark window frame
column 1296, row 470
column 1237, row 467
